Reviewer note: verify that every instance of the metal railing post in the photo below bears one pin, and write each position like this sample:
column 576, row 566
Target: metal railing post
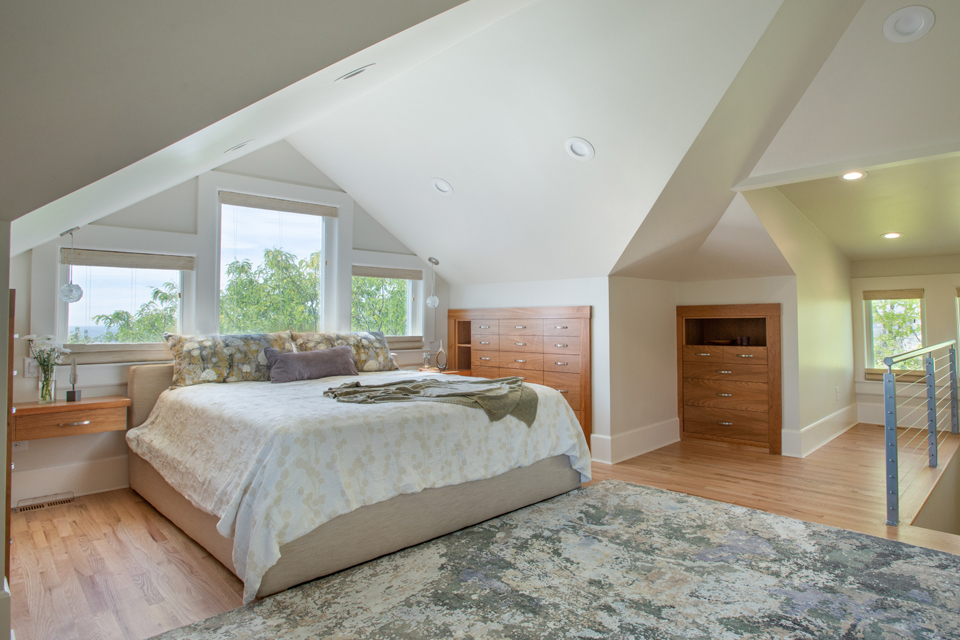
column 955, row 424
column 890, row 446
column 931, row 409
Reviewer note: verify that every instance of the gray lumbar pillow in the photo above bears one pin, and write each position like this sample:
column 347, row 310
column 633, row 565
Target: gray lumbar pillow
column 310, row 365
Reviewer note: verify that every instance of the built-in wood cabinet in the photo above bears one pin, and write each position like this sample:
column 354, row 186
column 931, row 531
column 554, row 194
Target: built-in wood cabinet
column 542, row 345
column 728, row 370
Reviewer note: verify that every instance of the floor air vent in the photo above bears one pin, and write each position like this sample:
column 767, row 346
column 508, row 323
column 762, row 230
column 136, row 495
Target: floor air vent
column 32, row 504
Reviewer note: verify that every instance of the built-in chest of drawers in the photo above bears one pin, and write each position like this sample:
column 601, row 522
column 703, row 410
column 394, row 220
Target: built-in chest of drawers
column 542, row 345
column 730, row 392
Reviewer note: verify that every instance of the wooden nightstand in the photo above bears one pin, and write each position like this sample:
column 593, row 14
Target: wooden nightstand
column 33, row 421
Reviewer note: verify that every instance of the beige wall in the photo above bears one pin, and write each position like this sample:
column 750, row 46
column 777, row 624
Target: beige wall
column 824, row 319
column 940, row 512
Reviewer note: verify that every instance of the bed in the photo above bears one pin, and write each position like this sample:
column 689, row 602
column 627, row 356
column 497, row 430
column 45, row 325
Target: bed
column 235, row 510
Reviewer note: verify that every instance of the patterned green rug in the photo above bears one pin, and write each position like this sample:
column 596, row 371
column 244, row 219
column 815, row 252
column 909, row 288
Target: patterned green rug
column 617, row 560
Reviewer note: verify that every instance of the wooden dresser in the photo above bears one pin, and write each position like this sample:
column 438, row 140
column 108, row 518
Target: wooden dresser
column 543, row 345
column 727, row 391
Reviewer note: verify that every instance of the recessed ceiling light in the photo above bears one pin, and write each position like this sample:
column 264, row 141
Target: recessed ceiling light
column 854, row 175
column 239, row 146
column 355, row 72
column 908, row 24
column 891, row 235
column 442, row 186
column 579, row 148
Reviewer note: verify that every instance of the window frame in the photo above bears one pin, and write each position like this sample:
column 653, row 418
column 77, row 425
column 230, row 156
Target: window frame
column 875, row 374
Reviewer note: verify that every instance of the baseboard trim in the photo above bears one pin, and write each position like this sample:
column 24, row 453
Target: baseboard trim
column 82, row 479
column 800, row 444
column 623, row 446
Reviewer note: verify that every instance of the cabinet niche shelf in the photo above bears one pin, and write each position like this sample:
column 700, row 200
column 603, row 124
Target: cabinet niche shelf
column 727, row 391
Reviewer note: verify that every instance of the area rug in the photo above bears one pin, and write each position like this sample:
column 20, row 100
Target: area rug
column 617, row 560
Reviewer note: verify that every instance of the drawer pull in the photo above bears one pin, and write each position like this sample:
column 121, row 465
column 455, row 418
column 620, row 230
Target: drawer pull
column 561, row 345
column 484, row 358
column 725, row 395
column 520, row 326
column 482, row 342
column 701, row 354
column 744, row 355
column 721, row 371
column 563, row 391
column 562, row 364
column 561, row 327
column 520, row 344
column 74, row 424
column 484, row 326
column 519, row 360
column 726, row 424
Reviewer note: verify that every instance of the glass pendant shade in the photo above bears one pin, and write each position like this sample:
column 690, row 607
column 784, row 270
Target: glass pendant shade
column 71, row 292
column 433, row 301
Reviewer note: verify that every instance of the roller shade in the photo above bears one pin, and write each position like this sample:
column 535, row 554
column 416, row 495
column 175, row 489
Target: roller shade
column 95, row 258
column 894, row 294
column 382, row 272
column 276, row 204
column 404, row 342
column 958, row 292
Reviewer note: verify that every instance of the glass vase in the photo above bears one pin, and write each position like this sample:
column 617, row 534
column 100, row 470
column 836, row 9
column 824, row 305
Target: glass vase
column 48, row 385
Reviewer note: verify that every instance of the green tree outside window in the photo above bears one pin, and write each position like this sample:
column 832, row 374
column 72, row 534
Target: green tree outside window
column 897, row 329
column 379, row 304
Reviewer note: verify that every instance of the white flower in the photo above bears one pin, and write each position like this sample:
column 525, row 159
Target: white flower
column 30, row 337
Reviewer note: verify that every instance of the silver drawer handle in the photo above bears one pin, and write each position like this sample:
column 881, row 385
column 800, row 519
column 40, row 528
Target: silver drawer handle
column 561, row 345
column 744, row 355
column 484, row 326
column 484, row 358
column 520, row 344
column 74, row 424
column 719, row 371
column 519, row 360
column 520, row 326
column 726, row 424
column 563, row 391
column 561, row 327
column 562, row 364
column 482, row 342
column 725, row 395
column 702, row 354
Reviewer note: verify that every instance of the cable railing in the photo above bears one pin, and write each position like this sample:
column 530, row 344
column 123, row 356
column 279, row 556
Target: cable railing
column 912, row 442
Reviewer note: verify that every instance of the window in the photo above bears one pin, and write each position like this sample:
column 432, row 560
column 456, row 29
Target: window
column 271, row 264
column 894, row 324
column 387, row 300
column 128, row 298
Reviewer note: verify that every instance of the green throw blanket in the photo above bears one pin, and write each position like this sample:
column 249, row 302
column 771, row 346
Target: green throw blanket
column 498, row 398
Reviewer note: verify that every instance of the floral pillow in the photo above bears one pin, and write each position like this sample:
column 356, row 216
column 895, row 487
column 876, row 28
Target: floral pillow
column 223, row 358
column 370, row 349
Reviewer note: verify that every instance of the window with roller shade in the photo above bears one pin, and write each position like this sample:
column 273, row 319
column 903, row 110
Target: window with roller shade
column 388, row 300
column 893, row 324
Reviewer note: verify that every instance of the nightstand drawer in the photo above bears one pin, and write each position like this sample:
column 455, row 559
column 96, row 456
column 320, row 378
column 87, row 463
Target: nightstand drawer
column 70, row 423
column 530, row 327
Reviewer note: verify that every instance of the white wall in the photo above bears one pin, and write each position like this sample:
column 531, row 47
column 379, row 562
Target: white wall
column 166, row 222
column 824, row 322
column 940, row 324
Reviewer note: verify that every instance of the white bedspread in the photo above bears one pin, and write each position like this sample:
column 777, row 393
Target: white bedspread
column 275, row 461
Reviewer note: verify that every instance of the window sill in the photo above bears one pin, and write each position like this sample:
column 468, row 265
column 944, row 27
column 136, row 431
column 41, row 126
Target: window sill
column 118, row 353
column 876, row 375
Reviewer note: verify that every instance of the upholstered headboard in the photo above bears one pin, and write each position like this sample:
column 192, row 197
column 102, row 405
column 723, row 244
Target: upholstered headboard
column 145, row 383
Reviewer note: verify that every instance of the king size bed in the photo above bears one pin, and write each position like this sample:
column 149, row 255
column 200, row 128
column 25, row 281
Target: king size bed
column 283, row 485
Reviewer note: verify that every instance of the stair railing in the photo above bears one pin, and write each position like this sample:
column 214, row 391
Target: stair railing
column 939, row 384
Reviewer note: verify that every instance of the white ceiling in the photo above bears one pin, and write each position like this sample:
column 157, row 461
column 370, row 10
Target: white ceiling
column 490, row 115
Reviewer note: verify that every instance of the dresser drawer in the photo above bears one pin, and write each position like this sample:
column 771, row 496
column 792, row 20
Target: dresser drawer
column 726, row 371
column 530, row 327
column 565, row 382
column 726, row 423
column 526, row 361
column 725, row 394
column 484, row 359
column 561, row 327
column 745, row 355
column 484, row 327
column 489, row 342
column 561, row 345
column 561, row 363
column 522, row 344
column 485, row 372
column 70, row 423
column 533, row 377
column 702, row 353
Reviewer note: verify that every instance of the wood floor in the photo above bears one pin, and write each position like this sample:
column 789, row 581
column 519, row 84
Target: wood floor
column 109, row 566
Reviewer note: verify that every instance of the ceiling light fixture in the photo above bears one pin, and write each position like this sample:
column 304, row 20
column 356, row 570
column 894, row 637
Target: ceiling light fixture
column 579, row 148
column 908, row 24
column 70, row 292
column 892, row 235
column 355, row 72
column 239, row 146
column 442, row 186
column 854, row 175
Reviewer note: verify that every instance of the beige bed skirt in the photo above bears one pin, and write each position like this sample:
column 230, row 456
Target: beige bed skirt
column 368, row 532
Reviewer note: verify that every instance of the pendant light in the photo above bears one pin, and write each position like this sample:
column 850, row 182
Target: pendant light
column 70, row 292
column 433, row 301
